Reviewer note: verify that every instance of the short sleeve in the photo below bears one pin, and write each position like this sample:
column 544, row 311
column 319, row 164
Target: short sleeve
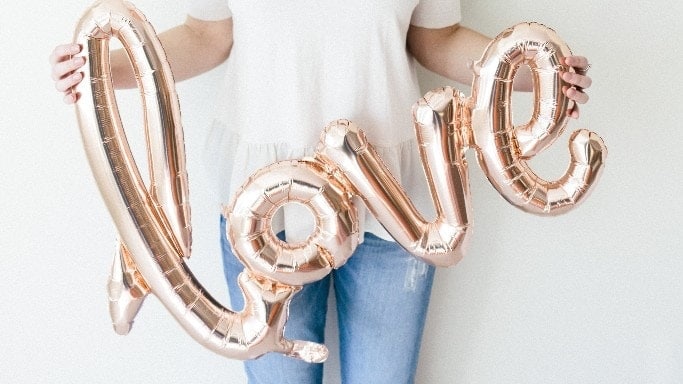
column 211, row 10
column 436, row 13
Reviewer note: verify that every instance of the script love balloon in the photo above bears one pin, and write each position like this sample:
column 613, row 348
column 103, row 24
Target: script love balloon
column 153, row 223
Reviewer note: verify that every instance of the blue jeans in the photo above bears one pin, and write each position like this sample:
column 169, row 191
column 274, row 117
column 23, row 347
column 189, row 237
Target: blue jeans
column 382, row 295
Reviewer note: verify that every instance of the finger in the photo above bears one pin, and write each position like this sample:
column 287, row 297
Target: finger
column 580, row 62
column 66, row 68
column 572, row 109
column 61, row 52
column 577, row 80
column 66, row 83
column 575, row 95
column 71, row 97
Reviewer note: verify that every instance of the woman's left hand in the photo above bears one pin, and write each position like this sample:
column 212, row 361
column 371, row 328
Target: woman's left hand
column 579, row 81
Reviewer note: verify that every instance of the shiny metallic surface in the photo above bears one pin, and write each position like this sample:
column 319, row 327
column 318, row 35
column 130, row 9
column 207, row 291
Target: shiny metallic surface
column 332, row 242
column 503, row 149
column 127, row 290
column 153, row 222
column 155, row 245
column 439, row 242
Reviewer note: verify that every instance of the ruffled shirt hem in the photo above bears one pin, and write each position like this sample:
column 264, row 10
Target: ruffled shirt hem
column 234, row 160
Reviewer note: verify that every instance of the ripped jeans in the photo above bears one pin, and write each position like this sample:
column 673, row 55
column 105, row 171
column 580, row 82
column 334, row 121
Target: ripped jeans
column 382, row 294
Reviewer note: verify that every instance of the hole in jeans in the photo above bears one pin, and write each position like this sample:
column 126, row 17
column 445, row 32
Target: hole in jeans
column 415, row 274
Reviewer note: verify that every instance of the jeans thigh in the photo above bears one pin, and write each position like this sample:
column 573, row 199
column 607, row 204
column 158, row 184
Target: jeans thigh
column 307, row 314
column 382, row 298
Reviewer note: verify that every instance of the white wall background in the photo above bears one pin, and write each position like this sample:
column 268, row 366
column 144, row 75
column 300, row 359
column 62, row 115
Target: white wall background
column 594, row 296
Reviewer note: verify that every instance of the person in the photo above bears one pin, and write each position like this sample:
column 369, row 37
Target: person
column 293, row 67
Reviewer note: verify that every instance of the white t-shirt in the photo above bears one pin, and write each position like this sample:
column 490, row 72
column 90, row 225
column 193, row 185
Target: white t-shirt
column 295, row 66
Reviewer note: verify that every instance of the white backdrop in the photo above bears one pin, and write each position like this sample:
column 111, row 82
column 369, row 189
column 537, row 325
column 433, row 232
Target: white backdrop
column 594, row 296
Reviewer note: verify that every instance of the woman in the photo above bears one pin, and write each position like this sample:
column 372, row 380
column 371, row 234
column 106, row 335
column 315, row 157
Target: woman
column 292, row 68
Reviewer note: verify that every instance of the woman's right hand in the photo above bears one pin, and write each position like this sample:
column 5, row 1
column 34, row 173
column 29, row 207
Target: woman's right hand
column 65, row 70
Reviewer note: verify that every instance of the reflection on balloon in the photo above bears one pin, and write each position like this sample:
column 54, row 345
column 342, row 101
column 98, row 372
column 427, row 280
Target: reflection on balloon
column 127, row 290
column 440, row 242
column 329, row 246
column 153, row 222
column 503, row 149
column 153, row 225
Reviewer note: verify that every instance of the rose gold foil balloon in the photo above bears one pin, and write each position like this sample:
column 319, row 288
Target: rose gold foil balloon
column 153, row 223
column 441, row 241
column 295, row 181
column 127, row 290
column 447, row 123
column 163, row 127
column 503, row 148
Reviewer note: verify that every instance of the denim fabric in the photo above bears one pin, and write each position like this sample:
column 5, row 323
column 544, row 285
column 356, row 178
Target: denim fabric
column 382, row 295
